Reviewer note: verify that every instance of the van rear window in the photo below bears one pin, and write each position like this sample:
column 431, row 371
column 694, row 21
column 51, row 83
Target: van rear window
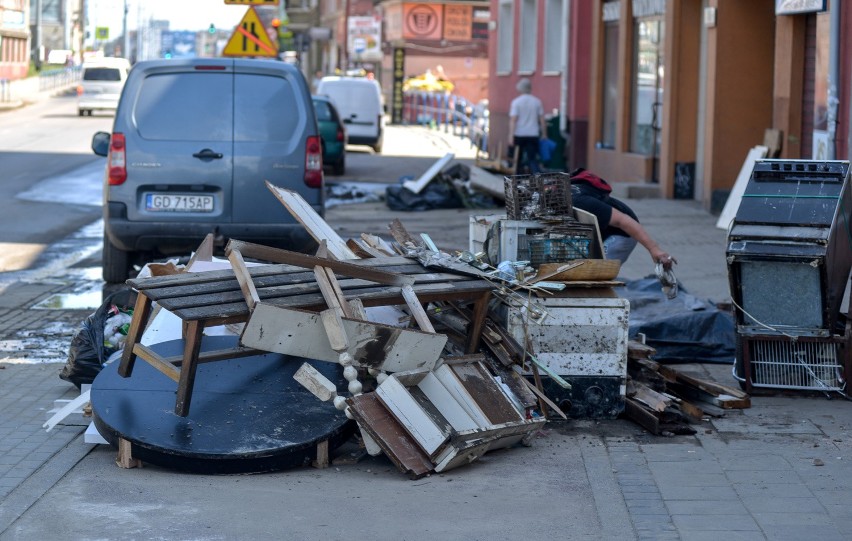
column 323, row 110
column 102, row 74
column 193, row 106
column 266, row 109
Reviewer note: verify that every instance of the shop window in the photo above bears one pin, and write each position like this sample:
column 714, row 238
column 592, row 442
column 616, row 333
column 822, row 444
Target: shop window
column 609, row 100
column 505, row 36
column 647, row 86
column 527, row 50
column 554, row 51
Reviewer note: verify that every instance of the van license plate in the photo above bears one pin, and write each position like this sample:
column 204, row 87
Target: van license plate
column 159, row 202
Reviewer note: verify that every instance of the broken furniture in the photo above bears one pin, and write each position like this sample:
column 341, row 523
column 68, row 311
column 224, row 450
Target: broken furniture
column 248, row 414
column 789, row 255
column 215, row 298
column 436, row 420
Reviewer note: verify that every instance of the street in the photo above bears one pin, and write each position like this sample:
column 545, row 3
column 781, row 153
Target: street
column 778, row 470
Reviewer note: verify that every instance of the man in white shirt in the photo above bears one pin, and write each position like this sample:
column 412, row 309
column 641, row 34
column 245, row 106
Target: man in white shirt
column 527, row 125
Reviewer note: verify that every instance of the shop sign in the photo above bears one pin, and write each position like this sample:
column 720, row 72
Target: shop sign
column 365, row 38
column 13, row 19
column 422, row 21
column 792, row 7
column 479, row 28
column 458, row 22
column 397, row 100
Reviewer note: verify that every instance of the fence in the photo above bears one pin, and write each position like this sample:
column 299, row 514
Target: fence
column 46, row 81
column 452, row 112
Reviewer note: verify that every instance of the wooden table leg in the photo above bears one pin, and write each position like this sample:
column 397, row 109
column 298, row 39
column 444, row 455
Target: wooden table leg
column 480, row 310
column 191, row 348
column 141, row 313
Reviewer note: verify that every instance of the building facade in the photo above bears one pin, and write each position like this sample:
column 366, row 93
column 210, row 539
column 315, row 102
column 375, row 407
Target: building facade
column 671, row 95
column 14, row 39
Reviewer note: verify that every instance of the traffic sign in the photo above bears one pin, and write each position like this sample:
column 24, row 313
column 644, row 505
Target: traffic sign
column 102, row 32
column 253, row 2
column 250, row 38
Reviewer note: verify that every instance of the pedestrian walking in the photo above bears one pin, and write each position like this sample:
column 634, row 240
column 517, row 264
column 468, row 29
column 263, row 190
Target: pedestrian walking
column 527, row 126
column 619, row 225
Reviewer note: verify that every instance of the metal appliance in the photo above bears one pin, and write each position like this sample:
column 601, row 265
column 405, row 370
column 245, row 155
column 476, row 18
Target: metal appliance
column 789, row 254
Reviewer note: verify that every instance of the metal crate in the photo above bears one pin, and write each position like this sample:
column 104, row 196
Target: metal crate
column 815, row 365
column 529, row 197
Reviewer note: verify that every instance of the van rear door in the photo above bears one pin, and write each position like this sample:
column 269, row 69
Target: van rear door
column 273, row 116
column 180, row 158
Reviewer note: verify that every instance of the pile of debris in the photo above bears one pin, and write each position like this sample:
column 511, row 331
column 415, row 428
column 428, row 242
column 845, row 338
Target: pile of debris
column 666, row 401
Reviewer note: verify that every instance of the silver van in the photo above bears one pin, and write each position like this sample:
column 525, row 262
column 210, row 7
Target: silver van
column 101, row 82
column 192, row 143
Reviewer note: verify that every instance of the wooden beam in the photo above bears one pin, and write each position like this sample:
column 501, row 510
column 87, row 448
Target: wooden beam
column 313, row 222
column 277, row 255
column 244, row 278
column 416, row 309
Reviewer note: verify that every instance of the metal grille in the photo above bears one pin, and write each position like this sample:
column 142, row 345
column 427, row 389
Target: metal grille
column 529, row 197
column 796, row 365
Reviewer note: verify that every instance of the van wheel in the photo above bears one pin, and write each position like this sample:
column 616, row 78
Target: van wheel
column 339, row 168
column 116, row 263
column 81, row 112
column 378, row 148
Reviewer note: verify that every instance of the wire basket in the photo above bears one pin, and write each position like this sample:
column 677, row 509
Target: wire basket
column 536, row 196
column 559, row 250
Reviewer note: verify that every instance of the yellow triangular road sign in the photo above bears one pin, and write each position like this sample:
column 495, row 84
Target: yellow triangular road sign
column 250, row 38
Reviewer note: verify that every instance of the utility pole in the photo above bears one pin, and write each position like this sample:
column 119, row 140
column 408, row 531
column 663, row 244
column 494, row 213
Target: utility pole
column 125, row 48
column 37, row 57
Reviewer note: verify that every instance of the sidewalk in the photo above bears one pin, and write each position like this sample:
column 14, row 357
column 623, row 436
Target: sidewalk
column 25, row 91
column 778, row 470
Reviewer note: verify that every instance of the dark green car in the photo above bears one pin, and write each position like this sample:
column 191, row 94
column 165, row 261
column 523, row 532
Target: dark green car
column 333, row 134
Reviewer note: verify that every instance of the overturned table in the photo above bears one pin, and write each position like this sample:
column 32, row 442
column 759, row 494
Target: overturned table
column 208, row 299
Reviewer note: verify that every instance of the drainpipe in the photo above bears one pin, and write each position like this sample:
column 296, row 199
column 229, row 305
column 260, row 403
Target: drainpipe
column 563, row 90
column 833, row 77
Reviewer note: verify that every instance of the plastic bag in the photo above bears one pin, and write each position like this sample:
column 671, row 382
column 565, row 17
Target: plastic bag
column 545, row 149
column 88, row 351
column 436, row 195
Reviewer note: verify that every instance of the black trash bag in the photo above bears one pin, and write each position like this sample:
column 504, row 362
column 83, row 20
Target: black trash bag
column 436, row 195
column 682, row 330
column 88, row 353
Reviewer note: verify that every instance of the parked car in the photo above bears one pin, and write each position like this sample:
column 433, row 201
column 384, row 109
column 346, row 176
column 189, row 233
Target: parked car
column 333, row 134
column 359, row 102
column 192, row 143
column 101, row 82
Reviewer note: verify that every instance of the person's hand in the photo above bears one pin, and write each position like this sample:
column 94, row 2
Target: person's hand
column 659, row 256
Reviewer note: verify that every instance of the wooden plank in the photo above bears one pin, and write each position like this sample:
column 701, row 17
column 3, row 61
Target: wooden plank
column 204, row 252
column 420, row 426
column 321, row 461
column 378, row 243
column 361, row 250
column 125, row 459
column 485, row 391
column 400, row 448
column 416, row 309
column 452, row 384
column 417, row 186
column 192, row 345
column 244, row 278
column 535, row 390
column 152, row 358
column 141, row 314
column 311, row 379
column 328, row 293
column 446, row 404
column 277, row 255
column 370, row 296
column 651, row 398
column 334, row 330
column 313, row 222
column 401, row 235
column 638, row 414
column 372, row 345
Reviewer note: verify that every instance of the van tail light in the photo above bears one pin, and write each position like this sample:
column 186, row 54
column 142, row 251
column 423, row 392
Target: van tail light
column 80, row 90
column 313, row 162
column 340, row 135
column 117, row 160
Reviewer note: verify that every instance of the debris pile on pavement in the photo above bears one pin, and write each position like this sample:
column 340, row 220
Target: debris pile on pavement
column 442, row 186
column 665, row 401
column 405, row 321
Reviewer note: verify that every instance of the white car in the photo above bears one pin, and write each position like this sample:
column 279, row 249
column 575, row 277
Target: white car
column 100, row 86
